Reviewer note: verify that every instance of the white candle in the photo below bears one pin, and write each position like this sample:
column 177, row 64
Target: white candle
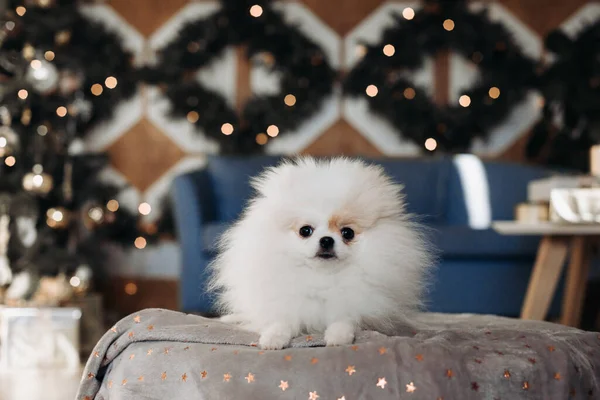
column 595, row 160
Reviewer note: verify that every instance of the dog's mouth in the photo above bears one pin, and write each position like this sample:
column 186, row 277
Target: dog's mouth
column 326, row 255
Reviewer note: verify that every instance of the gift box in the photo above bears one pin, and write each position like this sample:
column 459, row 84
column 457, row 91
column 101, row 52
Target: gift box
column 39, row 338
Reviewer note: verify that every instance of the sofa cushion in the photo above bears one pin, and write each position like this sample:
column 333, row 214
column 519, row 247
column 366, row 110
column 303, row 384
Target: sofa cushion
column 424, row 183
column 230, row 181
column 464, row 242
column 211, row 234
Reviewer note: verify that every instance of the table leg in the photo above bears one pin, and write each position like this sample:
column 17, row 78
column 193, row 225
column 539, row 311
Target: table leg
column 576, row 282
column 549, row 262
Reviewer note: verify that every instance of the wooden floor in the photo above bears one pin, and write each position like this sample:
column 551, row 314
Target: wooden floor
column 39, row 385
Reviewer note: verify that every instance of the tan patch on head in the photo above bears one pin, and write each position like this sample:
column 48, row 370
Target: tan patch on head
column 344, row 220
column 335, row 223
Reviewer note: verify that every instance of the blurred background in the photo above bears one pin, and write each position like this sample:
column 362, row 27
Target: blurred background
column 129, row 129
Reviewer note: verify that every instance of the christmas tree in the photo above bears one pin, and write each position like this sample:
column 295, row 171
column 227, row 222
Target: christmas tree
column 60, row 74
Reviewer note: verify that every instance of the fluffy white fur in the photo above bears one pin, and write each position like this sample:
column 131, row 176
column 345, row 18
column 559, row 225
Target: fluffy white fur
column 269, row 278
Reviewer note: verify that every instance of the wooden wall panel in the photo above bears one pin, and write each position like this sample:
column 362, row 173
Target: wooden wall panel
column 147, row 15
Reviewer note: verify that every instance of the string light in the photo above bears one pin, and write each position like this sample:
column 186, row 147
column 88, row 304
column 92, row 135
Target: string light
column 55, row 215
column 21, row 11
column 144, row 208
column 96, row 214
column 409, row 93
column 61, row 111
column 408, row 13
column 97, row 89
column 361, row 50
column 10, row 25
column 449, row 25
column 23, row 94
column 464, row 100
column 140, row 242
column 111, row 82
column 541, row 102
column 431, row 144
column 372, row 90
column 389, row 50
column 273, row 130
column 256, row 11
column 193, row 117
column 3, row 141
column 26, row 116
column 131, row 288
column 262, row 139
column 290, row 100
column 49, row 55
column 112, row 205
column 227, row 129
column 10, row 161
column 36, row 64
column 193, row 47
column 75, row 281
column 42, row 130
column 494, row 92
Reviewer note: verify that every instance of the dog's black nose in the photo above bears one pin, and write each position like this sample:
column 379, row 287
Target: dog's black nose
column 326, row 242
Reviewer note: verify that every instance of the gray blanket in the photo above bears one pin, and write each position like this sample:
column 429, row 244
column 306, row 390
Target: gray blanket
column 159, row 354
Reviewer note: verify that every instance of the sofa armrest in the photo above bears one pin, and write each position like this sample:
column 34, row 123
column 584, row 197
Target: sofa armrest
column 192, row 208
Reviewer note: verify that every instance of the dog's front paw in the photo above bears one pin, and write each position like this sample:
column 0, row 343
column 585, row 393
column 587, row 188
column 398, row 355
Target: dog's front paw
column 275, row 337
column 339, row 333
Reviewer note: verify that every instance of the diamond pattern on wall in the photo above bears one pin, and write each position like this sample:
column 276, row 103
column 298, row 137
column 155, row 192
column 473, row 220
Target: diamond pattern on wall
column 355, row 110
column 346, row 140
column 311, row 26
column 143, row 154
column 463, row 74
column 583, row 17
column 132, row 39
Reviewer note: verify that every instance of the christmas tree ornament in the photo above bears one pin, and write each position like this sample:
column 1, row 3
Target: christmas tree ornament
column 5, row 269
column 58, row 217
column 42, row 75
column 9, row 141
column 81, row 281
column 81, row 109
column 53, row 291
column 28, row 51
column 22, row 287
column 62, row 38
column 37, row 181
column 25, row 211
column 45, row 3
column 94, row 216
column 26, row 230
column 26, row 116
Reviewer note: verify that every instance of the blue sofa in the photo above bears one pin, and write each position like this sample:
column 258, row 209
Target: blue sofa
column 479, row 270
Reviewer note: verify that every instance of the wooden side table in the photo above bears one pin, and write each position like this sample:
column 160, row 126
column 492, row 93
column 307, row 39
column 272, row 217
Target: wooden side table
column 558, row 242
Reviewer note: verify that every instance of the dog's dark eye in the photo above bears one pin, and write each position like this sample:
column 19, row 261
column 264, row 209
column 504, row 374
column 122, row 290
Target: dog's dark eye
column 347, row 233
column 306, row 231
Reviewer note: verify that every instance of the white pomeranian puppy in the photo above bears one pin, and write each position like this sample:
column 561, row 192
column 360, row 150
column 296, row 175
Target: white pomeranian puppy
column 324, row 246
